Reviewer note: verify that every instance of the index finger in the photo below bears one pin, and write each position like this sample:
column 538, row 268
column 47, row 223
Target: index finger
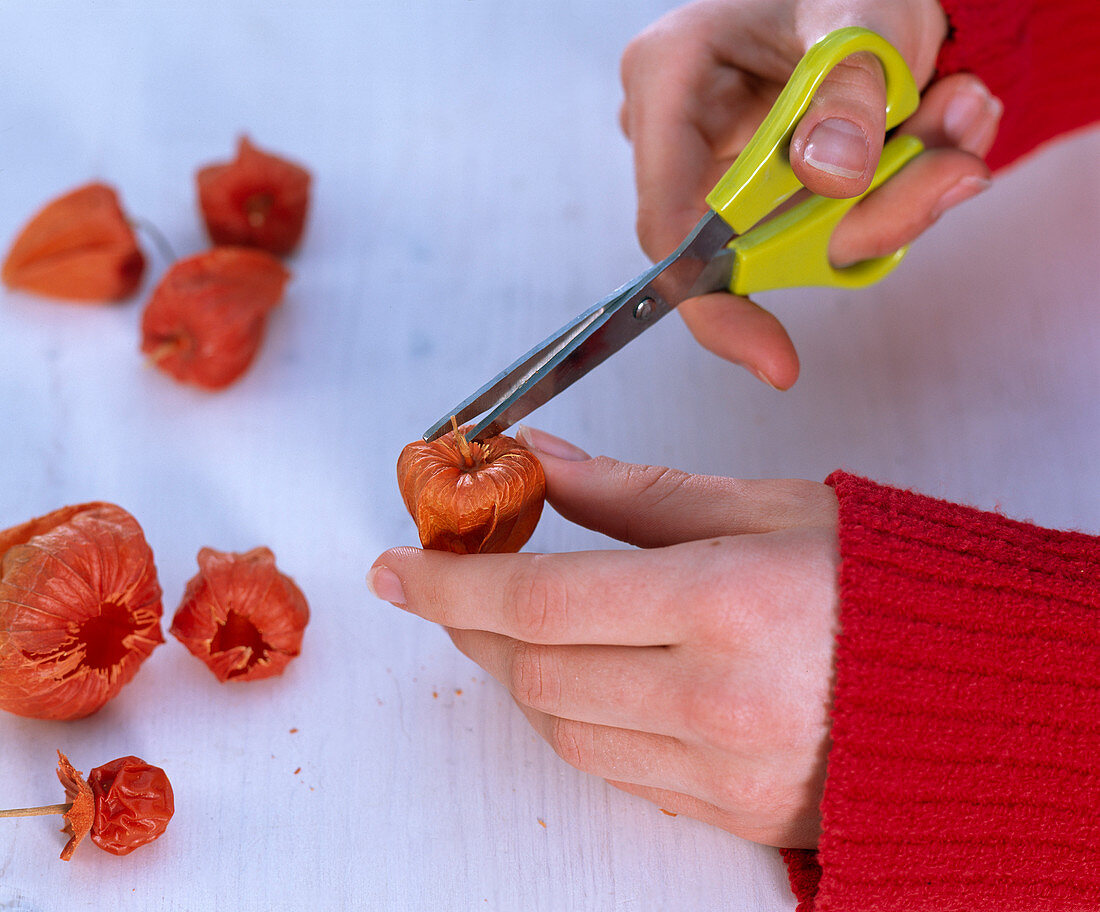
column 672, row 163
column 628, row 598
column 673, row 158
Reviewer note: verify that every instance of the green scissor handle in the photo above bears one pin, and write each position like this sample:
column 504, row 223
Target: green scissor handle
column 792, row 250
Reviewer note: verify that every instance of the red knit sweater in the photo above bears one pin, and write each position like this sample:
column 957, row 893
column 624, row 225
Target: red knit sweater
column 964, row 770
column 1038, row 56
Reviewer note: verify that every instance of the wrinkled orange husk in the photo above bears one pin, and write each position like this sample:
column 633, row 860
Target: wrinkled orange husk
column 492, row 507
column 229, row 193
column 79, row 247
column 62, row 575
column 249, row 586
column 78, row 819
column 205, row 320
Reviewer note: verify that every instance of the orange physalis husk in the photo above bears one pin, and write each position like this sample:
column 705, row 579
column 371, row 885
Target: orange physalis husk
column 241, row 616
column 79, row 817
column 257, row 200
column 79, row 610
column 470, row 497
column 79, row 247
column 206, row 318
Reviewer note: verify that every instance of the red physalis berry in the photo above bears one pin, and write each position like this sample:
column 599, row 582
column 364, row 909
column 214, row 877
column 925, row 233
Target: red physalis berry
column 133, row 804
column 257, row 200
column 206, row 318
column 79, row 610
column 80, row 247
column 241, row 616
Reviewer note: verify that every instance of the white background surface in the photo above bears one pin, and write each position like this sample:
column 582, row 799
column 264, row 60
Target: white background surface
column 472, row 192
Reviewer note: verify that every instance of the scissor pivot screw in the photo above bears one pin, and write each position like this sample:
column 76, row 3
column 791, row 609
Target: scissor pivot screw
column 643, row 310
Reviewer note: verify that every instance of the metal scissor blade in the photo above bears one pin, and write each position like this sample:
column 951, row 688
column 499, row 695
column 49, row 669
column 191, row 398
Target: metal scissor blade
column 523, row 369
column 517, row 373
column 606, row 332
column 696, row 266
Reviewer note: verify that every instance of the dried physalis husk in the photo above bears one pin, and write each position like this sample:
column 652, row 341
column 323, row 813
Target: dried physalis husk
column 79, row 610
column 206, row 318
column 471, row 497
column 79, row 246
column 241, row 616
column 256, row 200
column 81, row 813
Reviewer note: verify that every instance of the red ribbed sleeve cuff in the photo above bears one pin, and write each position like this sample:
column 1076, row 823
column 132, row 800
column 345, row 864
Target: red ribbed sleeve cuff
column 964, row 772
column 1038, row 56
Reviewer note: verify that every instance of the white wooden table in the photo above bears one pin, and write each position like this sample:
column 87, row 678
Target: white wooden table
column 472, row 193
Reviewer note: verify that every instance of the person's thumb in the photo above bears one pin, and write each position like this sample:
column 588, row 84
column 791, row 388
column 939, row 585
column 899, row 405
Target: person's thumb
column 836, row 146
column 654, row 506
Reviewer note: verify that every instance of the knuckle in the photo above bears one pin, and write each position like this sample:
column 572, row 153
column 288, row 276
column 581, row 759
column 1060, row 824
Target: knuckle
column 538, row 595
column 637, row 56
column 652, row 485
column 624, row 119
column 632, row 55
column 858, row 72
column 573, row 742
column 746, row 795
column 654, row 490
column 532, row 679
column 722, row 720
column 854, row 91
column 647, row 226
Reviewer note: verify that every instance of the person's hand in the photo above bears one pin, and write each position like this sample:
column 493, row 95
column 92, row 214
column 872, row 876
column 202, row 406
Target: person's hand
column 701, row 80
column 694, row 672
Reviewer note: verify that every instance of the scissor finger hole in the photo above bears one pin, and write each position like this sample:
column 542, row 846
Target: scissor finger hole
column 899, row 211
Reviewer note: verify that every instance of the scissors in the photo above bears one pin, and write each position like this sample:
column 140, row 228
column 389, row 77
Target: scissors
column 733, row 247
